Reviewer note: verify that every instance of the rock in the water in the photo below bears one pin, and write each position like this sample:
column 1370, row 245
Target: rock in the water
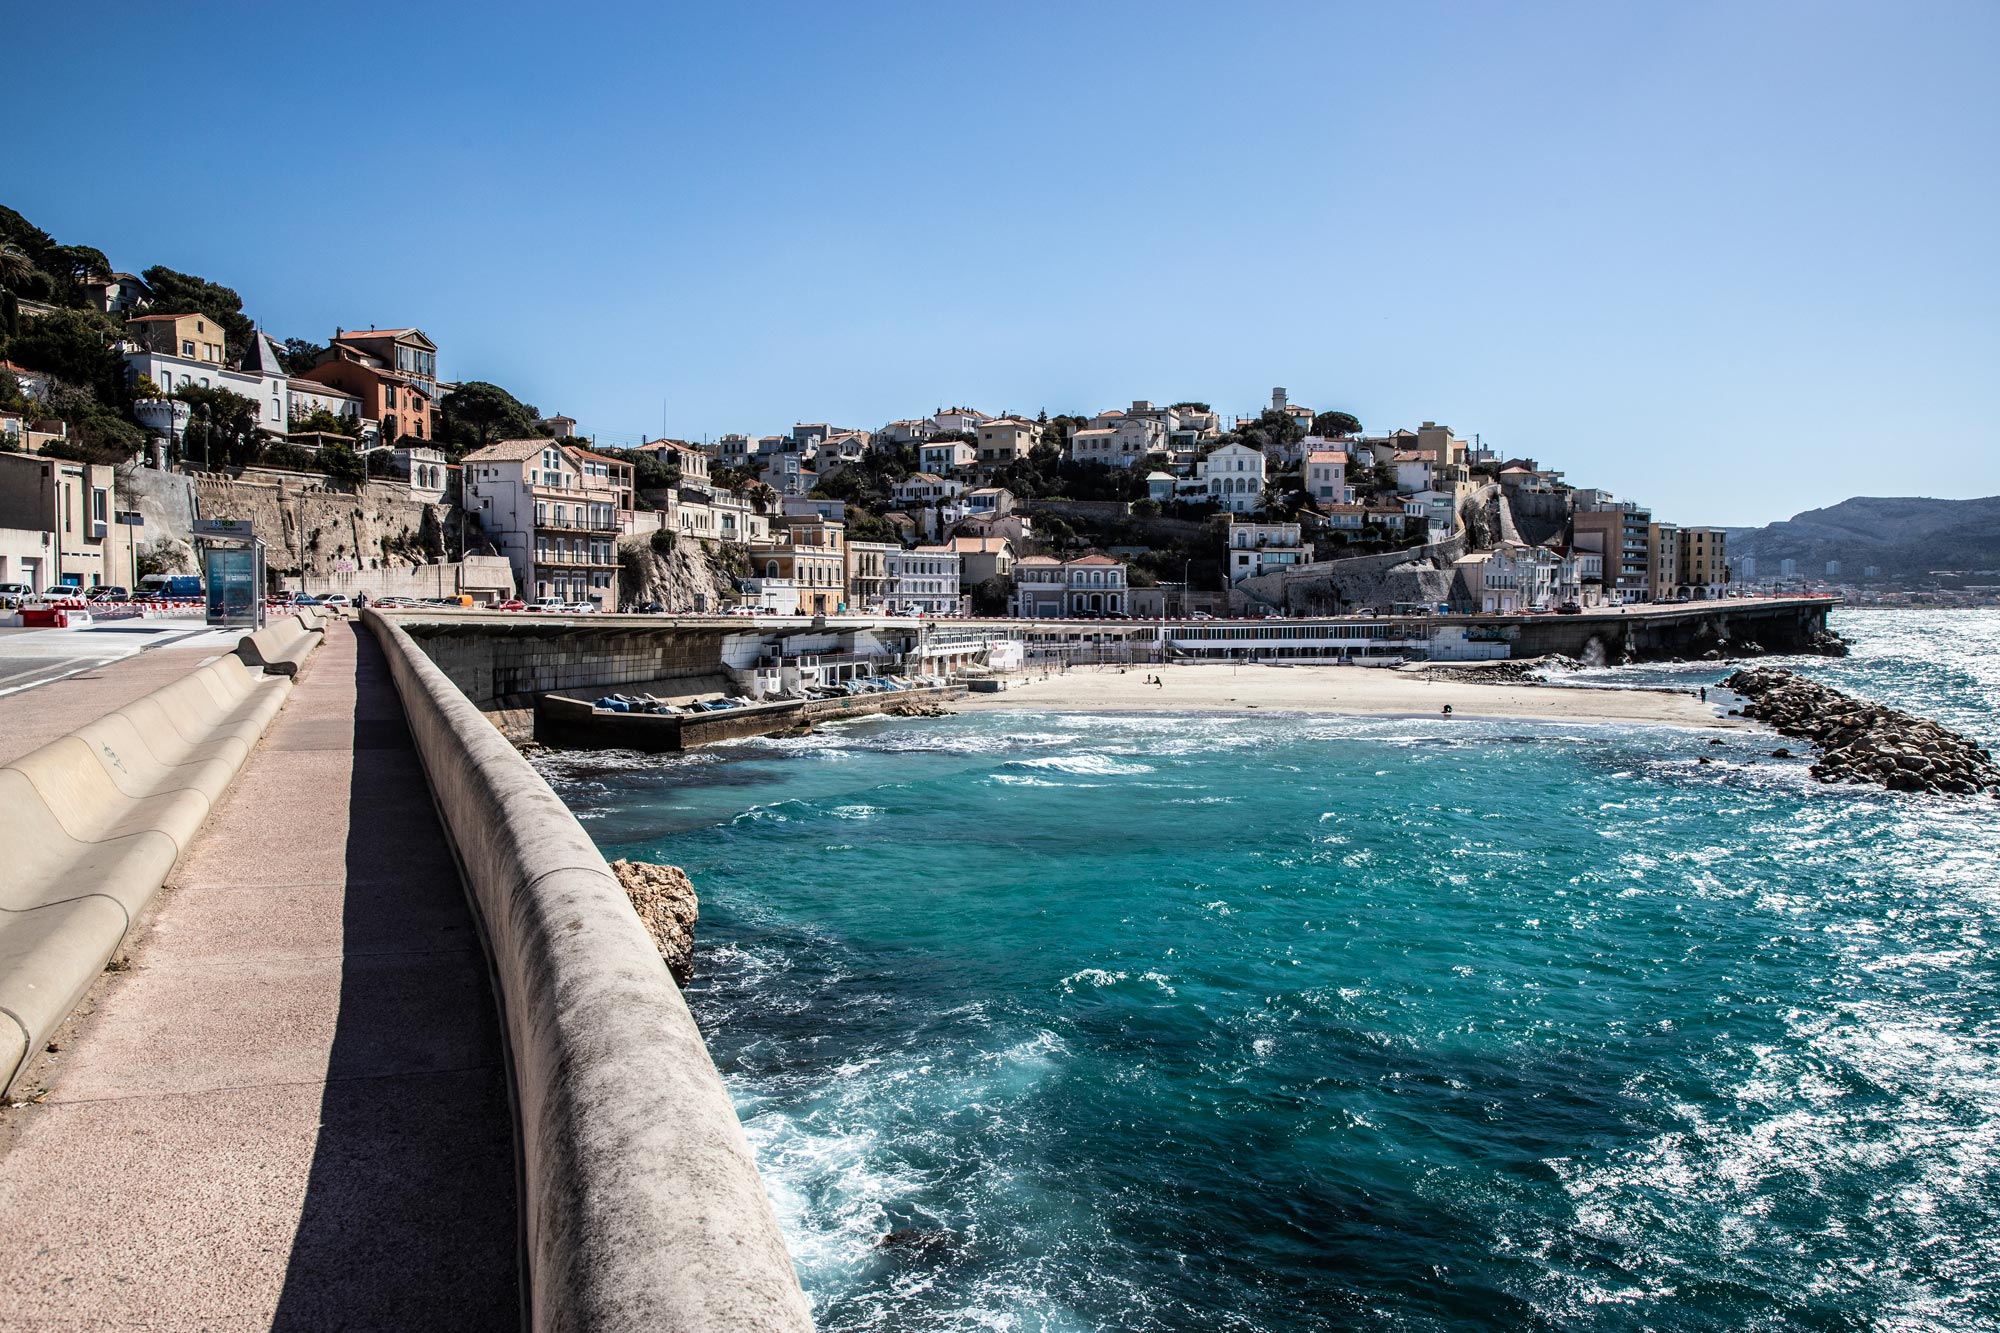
column 664, row 898
column 1864, row 742
column 917, row 708
column 915, row 1242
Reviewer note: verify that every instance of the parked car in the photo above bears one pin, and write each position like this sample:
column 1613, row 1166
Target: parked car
column 650, row 609
column 580, row 608
column 336, row 599
column 63, row 592
column 510, row 604
column 547, row 604
column 109, row 592
column 1569, row 609
column 13, row 594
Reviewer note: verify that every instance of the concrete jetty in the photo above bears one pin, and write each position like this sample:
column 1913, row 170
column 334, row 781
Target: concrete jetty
column 380, row 1042
column 289, row 1108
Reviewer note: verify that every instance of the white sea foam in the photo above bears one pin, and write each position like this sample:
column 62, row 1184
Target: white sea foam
column 1085, row 765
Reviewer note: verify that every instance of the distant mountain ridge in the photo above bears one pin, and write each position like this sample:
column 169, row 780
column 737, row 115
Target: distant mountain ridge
column 1905, row 536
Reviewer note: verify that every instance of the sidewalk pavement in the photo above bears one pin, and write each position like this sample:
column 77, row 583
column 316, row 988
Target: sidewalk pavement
column 291, row 1111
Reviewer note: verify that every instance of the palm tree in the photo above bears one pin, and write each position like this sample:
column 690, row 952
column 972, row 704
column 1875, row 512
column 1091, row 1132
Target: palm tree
column 15, row 266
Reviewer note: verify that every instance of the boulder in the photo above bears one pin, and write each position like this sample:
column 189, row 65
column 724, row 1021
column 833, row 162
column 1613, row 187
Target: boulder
column 664, row 898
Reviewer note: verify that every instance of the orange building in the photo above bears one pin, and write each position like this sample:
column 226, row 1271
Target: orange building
column 394, row 374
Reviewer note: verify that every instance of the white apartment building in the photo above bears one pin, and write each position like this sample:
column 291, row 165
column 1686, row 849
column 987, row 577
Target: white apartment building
column 787, row 474
column 1234, row 474
column 1120, row 439
column 1509, row 578
column 908, row 432
column 923, row 581
column 946, row 456
column 925, row 489
column 1264, row 548
column 553, row 512
column 957, row 418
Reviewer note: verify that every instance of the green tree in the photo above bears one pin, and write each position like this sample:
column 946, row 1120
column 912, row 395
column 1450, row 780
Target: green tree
column 74, row 345
column 222, row 427
column 184, row 293
column 476, row 413
column 1336, row 423
column 299, row 355
column 322, row 420
column 72, row 266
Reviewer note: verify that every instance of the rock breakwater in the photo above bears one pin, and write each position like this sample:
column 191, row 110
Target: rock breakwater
column 1864, row 742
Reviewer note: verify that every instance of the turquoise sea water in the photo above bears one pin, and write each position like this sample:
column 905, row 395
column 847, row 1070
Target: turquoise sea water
column 1274, row 1022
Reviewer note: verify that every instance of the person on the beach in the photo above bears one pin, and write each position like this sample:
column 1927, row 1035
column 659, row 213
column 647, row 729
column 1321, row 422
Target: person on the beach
column 1447, row 710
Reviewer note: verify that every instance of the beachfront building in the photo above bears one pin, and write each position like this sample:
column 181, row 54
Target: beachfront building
column 1092, row 586
column 1704, row 562
column 811, row 552
column 868, row 577
column 553, row 511
column 1512, row 577
column 1621, row 533
column 923, row 582
column 1663, row 560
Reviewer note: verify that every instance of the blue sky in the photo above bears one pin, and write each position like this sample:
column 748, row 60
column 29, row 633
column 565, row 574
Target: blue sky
column 1732, row 260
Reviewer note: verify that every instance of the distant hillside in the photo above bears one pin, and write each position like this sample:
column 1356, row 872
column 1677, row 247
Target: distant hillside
column 1905, row 536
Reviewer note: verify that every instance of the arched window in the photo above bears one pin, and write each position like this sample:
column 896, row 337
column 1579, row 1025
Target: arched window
column 771, row 569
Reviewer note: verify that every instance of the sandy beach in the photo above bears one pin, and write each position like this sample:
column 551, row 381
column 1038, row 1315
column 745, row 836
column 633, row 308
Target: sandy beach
column 1221, row 688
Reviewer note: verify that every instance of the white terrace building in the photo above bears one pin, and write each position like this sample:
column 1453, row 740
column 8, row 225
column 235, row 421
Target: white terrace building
column 1049, row 589
column 923, row 581
column 1264, row 548
column 554, row 513
column 1235, row 478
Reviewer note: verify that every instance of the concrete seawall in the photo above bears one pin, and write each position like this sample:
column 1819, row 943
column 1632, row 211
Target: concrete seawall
column 641, row 1204
column 575, row 722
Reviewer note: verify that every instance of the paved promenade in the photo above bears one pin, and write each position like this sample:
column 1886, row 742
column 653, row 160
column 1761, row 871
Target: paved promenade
column 290, row 1111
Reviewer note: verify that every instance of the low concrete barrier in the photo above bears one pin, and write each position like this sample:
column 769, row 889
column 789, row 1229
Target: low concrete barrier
column 93, row 822
column 282, row 646
column 641, row 1207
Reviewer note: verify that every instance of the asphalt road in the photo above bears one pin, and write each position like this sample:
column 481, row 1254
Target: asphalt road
column 31, row 657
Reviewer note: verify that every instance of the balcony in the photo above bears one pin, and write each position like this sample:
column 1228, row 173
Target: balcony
column 607, row 526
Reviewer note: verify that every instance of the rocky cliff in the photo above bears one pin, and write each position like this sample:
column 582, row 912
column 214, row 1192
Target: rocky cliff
column 685, row 575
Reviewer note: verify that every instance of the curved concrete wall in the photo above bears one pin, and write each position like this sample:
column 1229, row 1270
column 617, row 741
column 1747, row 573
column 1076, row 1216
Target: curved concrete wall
column 641, row 1204
column 91, row 825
